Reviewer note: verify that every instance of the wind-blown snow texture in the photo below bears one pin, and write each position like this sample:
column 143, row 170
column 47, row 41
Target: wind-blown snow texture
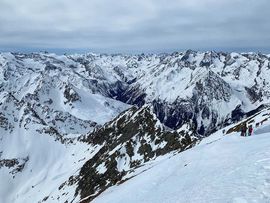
column 59, row 115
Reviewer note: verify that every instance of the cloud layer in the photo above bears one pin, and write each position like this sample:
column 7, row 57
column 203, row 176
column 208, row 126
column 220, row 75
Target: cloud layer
column 134, row 25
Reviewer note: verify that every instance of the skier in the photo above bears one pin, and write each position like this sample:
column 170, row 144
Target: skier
column 244, row 130
column 250, row 130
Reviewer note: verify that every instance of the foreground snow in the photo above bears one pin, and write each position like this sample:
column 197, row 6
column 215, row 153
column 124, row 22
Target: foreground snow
column 220, row 169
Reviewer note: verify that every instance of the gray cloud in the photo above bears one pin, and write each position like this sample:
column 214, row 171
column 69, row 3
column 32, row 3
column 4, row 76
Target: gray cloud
column 134, row 25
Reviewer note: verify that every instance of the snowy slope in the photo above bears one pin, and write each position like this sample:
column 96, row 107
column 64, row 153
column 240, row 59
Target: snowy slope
column 46, row 157
column 134, row 138
column 43, row 111
column 206, row 86
column 50, row 103
column 220, row 169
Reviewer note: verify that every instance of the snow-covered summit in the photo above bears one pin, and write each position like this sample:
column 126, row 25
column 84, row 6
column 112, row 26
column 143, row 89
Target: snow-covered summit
column 58, row 112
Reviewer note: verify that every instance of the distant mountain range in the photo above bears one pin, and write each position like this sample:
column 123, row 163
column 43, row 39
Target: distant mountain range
column 72, row 126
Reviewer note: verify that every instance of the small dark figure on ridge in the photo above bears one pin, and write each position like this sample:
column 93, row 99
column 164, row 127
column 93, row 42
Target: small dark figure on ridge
column 244, row 130
column 250, row 130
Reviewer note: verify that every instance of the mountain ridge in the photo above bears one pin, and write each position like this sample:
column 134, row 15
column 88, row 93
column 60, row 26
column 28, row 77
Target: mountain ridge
column 67, row 103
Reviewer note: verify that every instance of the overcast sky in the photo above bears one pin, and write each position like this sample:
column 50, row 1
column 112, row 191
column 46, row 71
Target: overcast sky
column 133, row 26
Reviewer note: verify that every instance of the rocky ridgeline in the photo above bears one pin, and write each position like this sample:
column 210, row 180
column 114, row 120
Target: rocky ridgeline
column 131, row 140
column 179, row 85
column 168, row 102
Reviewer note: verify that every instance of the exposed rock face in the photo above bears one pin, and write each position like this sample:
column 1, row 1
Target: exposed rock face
column 129, row 141
column 70, row 95
column 16, row 165
column 177, row 84
column 209, row 88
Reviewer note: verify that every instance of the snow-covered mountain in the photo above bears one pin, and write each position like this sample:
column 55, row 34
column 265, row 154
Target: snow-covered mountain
column 43, row 112
column 219, row 169
column 204, row 86
column 72, row 126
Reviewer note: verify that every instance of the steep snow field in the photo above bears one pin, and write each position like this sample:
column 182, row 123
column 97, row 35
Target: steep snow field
column 222, row 168
column 49, row 165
